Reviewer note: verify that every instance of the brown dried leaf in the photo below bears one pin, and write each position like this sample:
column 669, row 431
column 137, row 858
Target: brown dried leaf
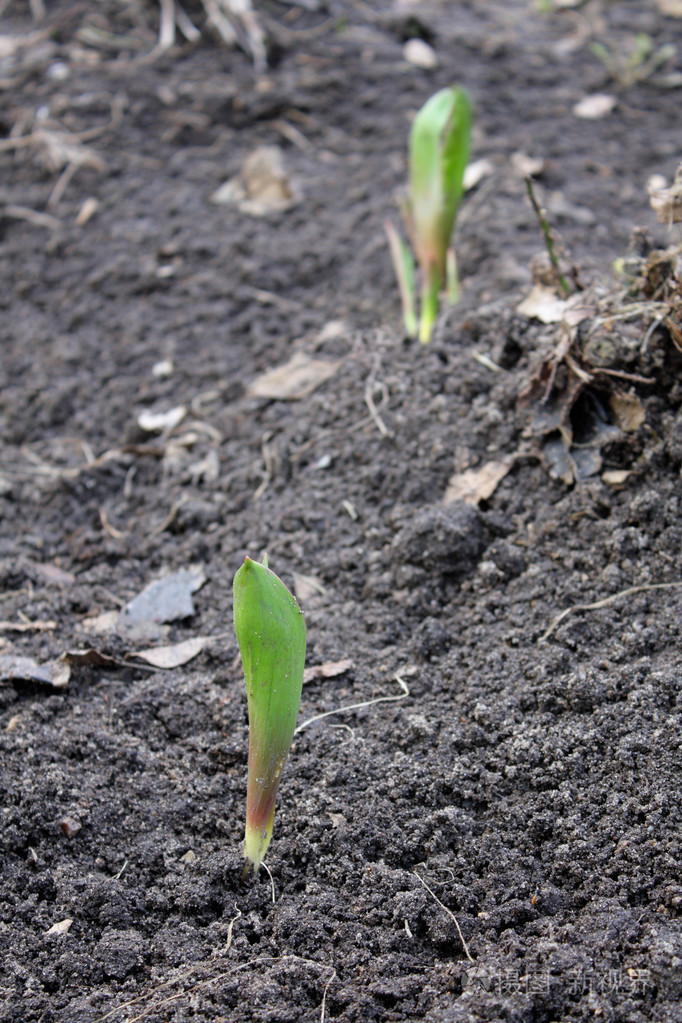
column 24, row 669
column 557, row 460
column 104, row 622
column 262, row 186
column 330, row 669
column 296, row 379
column 61, row 927
column 475, row 485
column 627, row 410
column 174, row 655
column 543, row 304
column 90, row 656
column 166, row 600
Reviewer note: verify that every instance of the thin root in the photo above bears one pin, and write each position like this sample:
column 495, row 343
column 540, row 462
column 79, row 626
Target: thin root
column 605, row 603
column 153, row 1006
column 272, row 880
column 450, row 914
column 357, row 706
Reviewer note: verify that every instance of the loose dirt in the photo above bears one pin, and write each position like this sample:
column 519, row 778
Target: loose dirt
column 515, row 794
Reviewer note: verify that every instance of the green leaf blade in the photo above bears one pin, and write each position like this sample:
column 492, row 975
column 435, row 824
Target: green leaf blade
column 403, row 265
column 439, row 153
column 456, row 143
column 270, row 631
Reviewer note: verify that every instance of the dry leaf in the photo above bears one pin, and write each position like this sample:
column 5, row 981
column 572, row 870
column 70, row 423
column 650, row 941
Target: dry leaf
column 296, row 379
column 628, row 411
column 262, row 186
column 166, row 600
column 542, row 303
column 60, row 928
column 25, row 669
column 476, row 485
column 557, row 460
column 578, row 309
column 57, row 149
column 591, row 108
column 93, row 658
column 104, row 622
column 330, row 669
column 175, row 655
column 587, row 462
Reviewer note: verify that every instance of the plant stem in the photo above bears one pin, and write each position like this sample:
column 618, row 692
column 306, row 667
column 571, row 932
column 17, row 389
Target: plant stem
column 403, row 264
column 549, row 239
column 431, row 285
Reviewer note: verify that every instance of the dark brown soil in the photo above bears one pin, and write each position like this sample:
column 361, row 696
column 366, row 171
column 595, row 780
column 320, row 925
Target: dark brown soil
column 532, row 782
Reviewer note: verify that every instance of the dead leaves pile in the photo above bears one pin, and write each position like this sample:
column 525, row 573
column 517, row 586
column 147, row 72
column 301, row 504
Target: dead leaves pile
column 587, row 393
column 143, row 618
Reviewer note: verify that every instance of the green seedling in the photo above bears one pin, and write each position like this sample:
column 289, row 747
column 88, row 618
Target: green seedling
column 438, row 155
column 627, row 69
column 271, row 634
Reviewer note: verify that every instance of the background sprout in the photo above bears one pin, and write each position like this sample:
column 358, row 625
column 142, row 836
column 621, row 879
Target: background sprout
column 640, row 63
column 271, row 634
column 438, row 155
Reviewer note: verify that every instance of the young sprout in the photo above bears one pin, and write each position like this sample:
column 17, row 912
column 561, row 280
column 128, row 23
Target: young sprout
column 271, row 635
column 438, row 155
column 627, row 69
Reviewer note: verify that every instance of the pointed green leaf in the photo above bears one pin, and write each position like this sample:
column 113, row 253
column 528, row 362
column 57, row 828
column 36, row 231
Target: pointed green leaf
column 271, row 635
column 439, row 153
column 403, row 264
column 455, row 157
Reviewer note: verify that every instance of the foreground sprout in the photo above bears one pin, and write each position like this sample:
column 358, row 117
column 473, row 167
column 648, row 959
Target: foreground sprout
column 439, row 153
column 271, row 634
